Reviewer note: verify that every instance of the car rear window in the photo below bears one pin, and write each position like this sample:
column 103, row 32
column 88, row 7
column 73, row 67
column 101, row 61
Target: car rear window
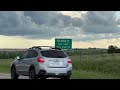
column 53, row 54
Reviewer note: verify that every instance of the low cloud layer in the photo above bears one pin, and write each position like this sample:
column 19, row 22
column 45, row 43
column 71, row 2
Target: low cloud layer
column 91, row 26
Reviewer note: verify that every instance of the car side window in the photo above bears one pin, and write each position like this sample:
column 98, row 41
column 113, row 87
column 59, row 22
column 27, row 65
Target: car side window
column 32, row 54
column 35, row 53
column 24, row 55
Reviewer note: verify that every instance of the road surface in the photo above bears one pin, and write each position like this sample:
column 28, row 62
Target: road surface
column 7, row 76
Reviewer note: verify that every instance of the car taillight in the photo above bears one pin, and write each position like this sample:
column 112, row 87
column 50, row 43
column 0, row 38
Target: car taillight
column 69, row 61
column 41, row 60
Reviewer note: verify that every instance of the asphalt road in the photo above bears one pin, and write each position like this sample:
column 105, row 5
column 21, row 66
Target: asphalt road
column 7, row 76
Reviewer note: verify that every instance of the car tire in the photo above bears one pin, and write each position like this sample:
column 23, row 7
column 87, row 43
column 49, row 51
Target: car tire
column 32, row 74
column 13, row 73
column 43, row 78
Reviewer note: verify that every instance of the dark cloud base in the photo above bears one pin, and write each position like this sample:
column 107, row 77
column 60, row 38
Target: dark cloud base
column 50, row 24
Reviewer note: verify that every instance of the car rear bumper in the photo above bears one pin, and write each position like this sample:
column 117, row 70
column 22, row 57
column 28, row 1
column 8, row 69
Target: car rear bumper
column 46, row 71
column 53, row 74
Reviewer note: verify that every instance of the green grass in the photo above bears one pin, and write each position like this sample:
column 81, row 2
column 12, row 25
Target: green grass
column 96, row 67
column 79, row 74
column 5, row 65
column 86, row 67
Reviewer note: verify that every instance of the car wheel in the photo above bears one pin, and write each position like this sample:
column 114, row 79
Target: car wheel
column 13, row 73
column 32, row 74
column 43, row 78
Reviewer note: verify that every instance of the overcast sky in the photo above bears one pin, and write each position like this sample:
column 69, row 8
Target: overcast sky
column 21, row 29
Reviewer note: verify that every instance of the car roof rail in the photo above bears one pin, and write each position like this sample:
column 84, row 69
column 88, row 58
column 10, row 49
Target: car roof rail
column 39, row 47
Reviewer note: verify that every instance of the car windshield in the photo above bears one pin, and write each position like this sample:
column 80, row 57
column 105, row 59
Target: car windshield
column 53, row 54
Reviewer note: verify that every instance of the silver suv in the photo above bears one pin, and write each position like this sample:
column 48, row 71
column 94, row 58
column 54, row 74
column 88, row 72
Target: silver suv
column 41, row 62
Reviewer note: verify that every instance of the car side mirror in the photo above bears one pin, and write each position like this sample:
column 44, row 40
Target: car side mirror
column 18, row 57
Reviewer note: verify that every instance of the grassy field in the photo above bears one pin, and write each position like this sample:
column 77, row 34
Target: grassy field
column 5, row 65
column 86, row 67
column 96, row 66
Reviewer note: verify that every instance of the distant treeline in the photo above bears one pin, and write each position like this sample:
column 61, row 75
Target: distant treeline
column 11, row 54
column 113, row 49
column 86, row 51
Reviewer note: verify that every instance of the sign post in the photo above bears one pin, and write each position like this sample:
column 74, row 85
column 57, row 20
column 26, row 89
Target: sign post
column 63, row 43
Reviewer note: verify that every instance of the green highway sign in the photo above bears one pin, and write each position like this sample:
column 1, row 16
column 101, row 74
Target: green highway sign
column 63, row 43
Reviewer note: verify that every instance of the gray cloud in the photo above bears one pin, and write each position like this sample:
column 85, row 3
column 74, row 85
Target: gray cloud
column 43, row 17
column 100, row 22
column 97, row 29
column 100, row 17
column 50, row 24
